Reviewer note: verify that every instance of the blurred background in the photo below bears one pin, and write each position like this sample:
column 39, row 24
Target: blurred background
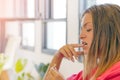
column 31, row 31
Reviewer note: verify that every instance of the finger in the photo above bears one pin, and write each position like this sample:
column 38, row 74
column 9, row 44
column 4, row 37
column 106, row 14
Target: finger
column 73, row 52
column 64, row 53
column 72, row 48
column 56, row 75
column 50, row 76
column 80, row 53
column 69, row 53
column 76, row 45
column 54, row 66
column 54, row 72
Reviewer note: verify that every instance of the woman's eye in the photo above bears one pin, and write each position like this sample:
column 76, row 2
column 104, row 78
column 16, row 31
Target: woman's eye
column 88, row 30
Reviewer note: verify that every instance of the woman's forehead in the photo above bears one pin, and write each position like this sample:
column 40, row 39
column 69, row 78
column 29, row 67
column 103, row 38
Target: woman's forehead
column 87, row 18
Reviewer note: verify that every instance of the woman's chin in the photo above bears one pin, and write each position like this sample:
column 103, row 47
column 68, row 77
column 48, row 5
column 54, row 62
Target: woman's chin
column 85, row 52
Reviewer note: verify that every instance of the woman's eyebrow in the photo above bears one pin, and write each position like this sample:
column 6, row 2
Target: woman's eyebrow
column 84, row 25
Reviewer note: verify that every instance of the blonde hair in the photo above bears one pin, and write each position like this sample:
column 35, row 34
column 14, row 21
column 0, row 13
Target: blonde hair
column 105, row 46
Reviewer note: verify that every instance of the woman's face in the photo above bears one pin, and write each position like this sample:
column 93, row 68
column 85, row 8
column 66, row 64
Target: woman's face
column 86, row 35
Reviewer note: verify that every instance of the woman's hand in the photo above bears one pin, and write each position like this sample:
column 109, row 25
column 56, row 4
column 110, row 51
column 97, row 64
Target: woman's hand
column 54, row 74
column 68, row 51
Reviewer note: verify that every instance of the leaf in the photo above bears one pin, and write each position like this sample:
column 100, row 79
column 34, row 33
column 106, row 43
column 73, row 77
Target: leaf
column 20, row 64
column 29, row 75
column 23, row 74
column 41, row 69
column 19, row 78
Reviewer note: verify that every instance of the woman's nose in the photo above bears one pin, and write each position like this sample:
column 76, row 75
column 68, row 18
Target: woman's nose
column 82, row 36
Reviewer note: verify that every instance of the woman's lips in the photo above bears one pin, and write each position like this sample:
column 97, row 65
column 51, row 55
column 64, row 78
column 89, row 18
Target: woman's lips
column 85, row 44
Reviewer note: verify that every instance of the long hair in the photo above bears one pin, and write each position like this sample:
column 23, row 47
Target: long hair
column 105, row 47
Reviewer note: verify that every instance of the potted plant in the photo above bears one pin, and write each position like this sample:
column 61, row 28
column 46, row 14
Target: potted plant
column 41, row 69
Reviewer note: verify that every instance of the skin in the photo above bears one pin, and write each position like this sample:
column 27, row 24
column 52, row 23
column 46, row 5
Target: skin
column 68, row 51
column 87, row 31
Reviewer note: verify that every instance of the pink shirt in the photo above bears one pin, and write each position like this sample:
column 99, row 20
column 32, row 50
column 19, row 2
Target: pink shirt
column 112, row 73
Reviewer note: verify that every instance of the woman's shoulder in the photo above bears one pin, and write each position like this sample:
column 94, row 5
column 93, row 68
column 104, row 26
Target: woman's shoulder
column 113, row 73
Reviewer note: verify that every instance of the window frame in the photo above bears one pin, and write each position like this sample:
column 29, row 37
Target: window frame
column 32, row 20
column 21, row 33
column 48, row 17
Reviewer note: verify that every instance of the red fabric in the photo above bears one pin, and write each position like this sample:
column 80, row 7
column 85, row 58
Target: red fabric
column 76, row 76
column 112, row 73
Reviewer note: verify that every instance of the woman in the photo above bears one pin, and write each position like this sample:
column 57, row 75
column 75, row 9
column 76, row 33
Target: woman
column 100, row 37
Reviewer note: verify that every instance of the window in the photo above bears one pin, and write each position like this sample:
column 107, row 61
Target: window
column 28, row 35
column 59, row 9
column 87, row 3
column 90, row 3
column 30, row 11
column 21, row 13
column 30, row 8
column 54, row 35
column 108, row 1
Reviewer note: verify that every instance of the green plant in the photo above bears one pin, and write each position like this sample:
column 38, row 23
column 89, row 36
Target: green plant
column 25, row 76
column 41, row 69
column 19, row 67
